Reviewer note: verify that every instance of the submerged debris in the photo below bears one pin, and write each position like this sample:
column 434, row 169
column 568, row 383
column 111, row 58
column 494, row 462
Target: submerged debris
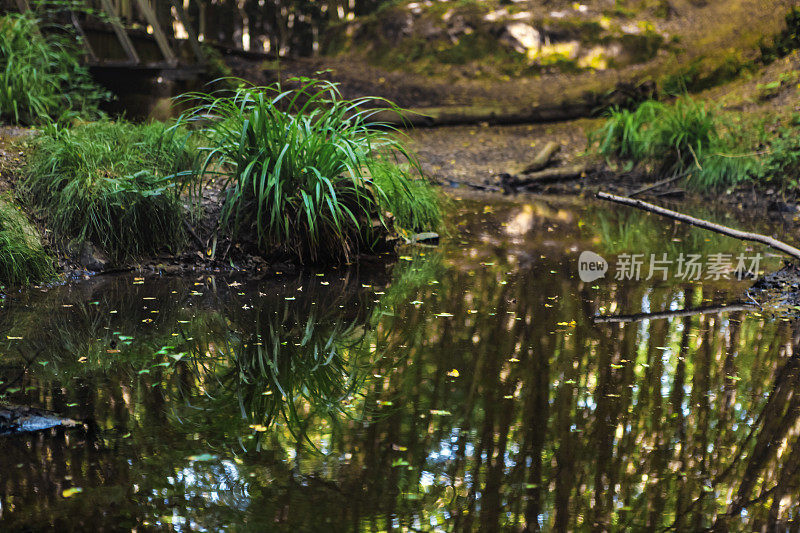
column 21, row 419
column 778, row 291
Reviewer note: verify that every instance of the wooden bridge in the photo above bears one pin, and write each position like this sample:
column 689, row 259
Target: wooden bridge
column 136, row 35
column 145, row 51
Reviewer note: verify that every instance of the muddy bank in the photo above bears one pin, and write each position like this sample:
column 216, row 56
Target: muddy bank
column 475, row 157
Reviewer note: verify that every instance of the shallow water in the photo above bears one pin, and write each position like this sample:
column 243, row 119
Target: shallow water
column 464, row 387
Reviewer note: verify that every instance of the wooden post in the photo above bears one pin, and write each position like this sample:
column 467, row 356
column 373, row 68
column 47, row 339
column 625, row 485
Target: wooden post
column 158, row 33
column 122, row 35
column 195, row 44
column 84, row 39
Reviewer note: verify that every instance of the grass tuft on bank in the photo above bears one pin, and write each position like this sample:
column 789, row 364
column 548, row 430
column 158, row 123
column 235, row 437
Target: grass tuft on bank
column 686, row 138
column 41, row 78
column 22, row 258
column 703, row 144
column 307, row 172
column 111, row 183
column 414, row 204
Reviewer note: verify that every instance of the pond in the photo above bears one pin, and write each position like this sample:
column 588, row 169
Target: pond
column 461, row 387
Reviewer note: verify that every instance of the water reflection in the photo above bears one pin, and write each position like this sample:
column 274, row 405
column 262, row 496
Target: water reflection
column 464, row 388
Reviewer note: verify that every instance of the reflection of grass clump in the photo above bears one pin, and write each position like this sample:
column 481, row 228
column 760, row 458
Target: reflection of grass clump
column 109, row 182
column 296, row 165
column 22, row 257
column 298, row 364
column 307, row 365
column 41, row 77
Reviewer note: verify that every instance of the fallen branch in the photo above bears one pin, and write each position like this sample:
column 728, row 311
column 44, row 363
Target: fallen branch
column 550, row 175
column 657, row 184
column 454, row 115
column 603, row 319
column 194, row 235
column 705, row 224
column 542, row 159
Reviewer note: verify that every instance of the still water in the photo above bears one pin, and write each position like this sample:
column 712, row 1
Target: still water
column 463, row 387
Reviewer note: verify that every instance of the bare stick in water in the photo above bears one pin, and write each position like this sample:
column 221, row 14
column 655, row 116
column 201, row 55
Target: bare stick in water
column 717, row 309
column 705, row 224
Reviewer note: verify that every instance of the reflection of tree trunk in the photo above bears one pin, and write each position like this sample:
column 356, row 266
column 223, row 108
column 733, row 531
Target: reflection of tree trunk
column 701, row 408
column 652, row 399
column 676, row 411
column 462, row 520
column 780, row 414
column 491, row 503
column 725, row 417
column 786, row 484
column 536, row 422
column 626, row 446
column 565, row 453
column 493, row 393
column 602, row 439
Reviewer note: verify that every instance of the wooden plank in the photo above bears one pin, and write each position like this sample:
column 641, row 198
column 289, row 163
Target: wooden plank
column 84, row 39
column 158, row 33
column 193, row 41
column 122, row 35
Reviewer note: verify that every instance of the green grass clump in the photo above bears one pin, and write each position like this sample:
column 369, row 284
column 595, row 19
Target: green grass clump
column 414, row 204
column 41, row 78
column 22, row 257
column 685, row 138
column 781, row 162
column 296, row 165
column 111, row 183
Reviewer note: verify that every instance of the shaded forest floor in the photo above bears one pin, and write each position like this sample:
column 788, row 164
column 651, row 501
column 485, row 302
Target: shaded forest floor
column 704, row 44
